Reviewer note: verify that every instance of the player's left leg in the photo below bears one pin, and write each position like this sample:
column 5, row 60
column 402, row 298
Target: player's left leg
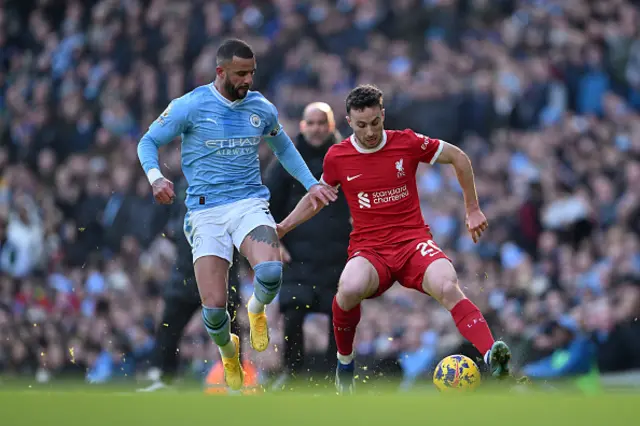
column 261, row 247
column 426, row 268
column 441, row 282
column 256, row 239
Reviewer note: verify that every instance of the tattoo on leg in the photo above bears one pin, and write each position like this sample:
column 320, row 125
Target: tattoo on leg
column 265, row 234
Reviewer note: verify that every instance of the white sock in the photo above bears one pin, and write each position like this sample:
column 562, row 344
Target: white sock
column 255, row 306
column 228, row 350
column 486, row 357
column 346, row 359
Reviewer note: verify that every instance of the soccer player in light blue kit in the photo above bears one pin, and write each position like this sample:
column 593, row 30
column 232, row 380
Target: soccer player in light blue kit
column 222, row 125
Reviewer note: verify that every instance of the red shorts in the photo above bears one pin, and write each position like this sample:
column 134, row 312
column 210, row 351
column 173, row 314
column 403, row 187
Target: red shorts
column 404, row 262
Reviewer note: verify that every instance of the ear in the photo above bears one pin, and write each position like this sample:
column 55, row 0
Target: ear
column 220, row 72
column 348, row 119
column 382, row 114
column 303, row 125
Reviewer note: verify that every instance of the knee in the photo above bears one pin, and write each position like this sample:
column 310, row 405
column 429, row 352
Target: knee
column 268, row 279
column 351, row 291
column 269, row 273
column 215, row 318
column 449, row 293
column 211, row 277
column 441, row 282
column 214, row 299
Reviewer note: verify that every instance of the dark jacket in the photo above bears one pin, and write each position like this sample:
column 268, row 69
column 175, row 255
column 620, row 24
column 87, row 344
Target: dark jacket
column 182, row 284
column 318, row 247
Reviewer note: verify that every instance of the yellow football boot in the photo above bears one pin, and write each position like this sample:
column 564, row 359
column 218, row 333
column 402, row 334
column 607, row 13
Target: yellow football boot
column 233, row 372
column 259, row 331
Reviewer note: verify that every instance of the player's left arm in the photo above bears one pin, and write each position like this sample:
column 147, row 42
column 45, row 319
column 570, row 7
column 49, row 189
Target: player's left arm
column 290, row 158
column 451, row 154
column 305, row 209
column 279, row 183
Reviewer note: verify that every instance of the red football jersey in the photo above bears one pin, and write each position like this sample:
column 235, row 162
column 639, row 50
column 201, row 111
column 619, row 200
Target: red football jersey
column 380, row 185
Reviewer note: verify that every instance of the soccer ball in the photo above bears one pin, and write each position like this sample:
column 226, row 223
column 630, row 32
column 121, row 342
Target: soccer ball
column 456, row 373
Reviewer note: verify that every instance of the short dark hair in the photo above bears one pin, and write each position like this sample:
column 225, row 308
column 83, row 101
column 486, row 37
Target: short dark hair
column 364, row 96
column 233, row 47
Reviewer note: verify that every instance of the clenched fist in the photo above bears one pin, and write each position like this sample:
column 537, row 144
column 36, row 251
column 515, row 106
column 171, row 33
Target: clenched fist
column 163, row 191
column 476, row 224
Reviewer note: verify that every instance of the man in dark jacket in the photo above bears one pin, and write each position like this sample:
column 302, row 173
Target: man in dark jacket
column 316, row 252
column 182, row 300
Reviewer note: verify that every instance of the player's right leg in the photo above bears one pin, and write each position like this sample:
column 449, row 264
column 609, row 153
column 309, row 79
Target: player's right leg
column 212, row 251
column 359, row 280
column 211, row 275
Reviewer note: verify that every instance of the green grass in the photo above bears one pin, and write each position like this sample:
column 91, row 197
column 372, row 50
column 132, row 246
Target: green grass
column 73, row 404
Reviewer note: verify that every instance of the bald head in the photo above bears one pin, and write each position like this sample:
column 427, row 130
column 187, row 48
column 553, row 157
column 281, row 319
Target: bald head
column 318, row 123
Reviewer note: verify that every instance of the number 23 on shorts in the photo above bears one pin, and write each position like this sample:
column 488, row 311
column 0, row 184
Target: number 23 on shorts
column 428, row 248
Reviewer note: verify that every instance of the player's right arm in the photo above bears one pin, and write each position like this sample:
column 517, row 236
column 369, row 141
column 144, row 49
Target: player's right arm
column 171, row 123
column 306, row 207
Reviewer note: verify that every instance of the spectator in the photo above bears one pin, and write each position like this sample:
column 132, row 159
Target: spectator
column 315, row 253
column 571, row 353
column 545, row 96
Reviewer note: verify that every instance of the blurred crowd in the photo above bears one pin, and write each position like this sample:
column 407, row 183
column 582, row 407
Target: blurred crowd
column 543, row 95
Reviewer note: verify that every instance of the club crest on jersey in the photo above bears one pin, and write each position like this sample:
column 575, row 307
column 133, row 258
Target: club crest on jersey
column 255, row 120
column 400, row 168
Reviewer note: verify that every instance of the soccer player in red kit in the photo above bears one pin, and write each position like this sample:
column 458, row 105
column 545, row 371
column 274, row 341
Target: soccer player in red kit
column 376, row 169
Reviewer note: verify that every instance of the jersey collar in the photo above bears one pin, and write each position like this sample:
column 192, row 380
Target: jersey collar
column 224, row 100
column 362, row 150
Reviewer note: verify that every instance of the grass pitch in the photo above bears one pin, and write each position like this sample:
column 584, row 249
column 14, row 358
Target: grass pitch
column 84, row 405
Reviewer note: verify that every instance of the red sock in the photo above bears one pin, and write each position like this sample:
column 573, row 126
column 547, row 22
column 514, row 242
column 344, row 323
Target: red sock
column 344, row 327
column 472, row 325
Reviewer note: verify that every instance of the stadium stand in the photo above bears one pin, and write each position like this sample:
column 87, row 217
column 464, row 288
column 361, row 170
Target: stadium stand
column 543, row 95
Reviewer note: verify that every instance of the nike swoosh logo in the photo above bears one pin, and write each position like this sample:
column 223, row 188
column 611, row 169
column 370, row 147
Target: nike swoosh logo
column 212, row 120
column 350, row 178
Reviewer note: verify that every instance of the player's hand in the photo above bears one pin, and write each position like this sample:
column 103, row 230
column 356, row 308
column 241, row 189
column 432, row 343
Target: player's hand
column 322, row 194
column 476, row 224
column 280, row 231
column 163, row 191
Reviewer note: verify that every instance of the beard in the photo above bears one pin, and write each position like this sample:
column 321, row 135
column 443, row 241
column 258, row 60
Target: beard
column 235, row 92
column 371, row 143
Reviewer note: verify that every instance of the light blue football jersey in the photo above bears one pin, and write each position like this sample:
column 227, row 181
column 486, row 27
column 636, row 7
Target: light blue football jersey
column 220, row 141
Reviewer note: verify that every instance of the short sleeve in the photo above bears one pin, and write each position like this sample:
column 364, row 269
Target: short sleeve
column 329, row 172
column 272, row 127
column 173, row 121
column 425, row 148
